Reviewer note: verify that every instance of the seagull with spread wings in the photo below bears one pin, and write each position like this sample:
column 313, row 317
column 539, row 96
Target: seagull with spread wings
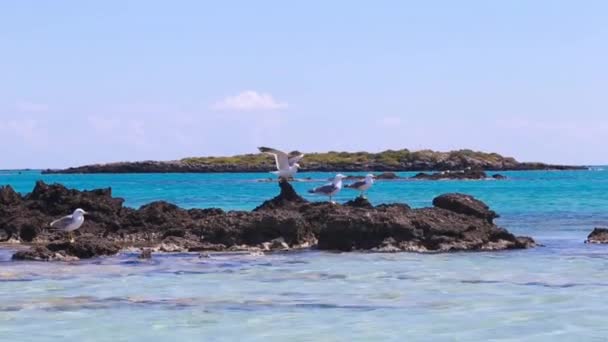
column 286, row 167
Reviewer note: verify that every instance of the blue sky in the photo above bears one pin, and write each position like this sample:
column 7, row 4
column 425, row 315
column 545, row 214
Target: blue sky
column 84, row 82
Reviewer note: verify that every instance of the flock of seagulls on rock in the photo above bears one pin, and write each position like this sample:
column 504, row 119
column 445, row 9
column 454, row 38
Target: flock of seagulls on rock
column 287, row 167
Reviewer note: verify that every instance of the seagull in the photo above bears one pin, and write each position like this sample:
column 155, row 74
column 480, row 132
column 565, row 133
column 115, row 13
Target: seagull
column 286, row 167
column 70, row 223
column 363, row 185
column 330, row 189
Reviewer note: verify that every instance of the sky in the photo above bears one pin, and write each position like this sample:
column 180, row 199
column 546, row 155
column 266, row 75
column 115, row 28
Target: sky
column 118, row 80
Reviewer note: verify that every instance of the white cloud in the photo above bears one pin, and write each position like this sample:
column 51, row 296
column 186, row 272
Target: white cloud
column 31, row 107
column 249, row 100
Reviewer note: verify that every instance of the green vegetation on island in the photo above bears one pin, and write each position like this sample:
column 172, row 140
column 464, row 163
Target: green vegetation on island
column 390, row 160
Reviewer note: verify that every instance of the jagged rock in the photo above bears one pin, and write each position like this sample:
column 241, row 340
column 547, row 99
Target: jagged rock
column 288, row 197
column 457, row 222
column 9, row 197
column 598, row 235
column 498, row 176
column 359, row 202
column 465, row 204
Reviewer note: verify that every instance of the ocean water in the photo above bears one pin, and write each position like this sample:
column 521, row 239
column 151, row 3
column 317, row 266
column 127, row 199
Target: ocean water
column 551, row 293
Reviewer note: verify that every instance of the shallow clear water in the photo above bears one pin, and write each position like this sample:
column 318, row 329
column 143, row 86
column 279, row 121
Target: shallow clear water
column 556, row 292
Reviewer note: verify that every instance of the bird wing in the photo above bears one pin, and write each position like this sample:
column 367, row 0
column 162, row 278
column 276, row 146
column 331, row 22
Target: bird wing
column 62, row 223
column 295, row 159
column 356, row 185
column 280, row 157
column 325, row 189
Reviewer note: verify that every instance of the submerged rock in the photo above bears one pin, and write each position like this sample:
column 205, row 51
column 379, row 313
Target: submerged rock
column 456, row 175
column 382, row 176
column 41, row 253
column 38, row 253
column 388, row 176
column 146, row 253
column 456, row 222
column 598, row 235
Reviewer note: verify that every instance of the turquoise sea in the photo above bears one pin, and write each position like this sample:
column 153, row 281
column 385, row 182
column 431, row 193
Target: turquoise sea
column 558, row 292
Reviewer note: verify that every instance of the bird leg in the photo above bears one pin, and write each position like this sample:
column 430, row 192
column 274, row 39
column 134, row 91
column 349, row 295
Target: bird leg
column 71, row 235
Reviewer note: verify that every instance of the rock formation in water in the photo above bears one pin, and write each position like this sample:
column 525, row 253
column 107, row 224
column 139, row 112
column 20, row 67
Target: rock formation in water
column 456, row 175
column 457, row 222
column 598, row 235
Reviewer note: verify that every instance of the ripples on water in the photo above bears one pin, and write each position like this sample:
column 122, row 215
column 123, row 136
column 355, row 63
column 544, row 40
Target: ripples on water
column 550, row 293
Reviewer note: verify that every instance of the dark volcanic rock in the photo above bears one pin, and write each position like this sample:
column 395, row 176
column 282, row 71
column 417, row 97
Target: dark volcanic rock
column 39, row 253
column 418, row 230
column 382, row 176
column 387, row 176
column 598, row 235
column 499, row 176
column 9, row 197
column 465, row 174
column 55, row 199
column 85, row 247
column 66, row 251
column 287, row 198
column 359, row 202
column 457, row 222
column 465, row 204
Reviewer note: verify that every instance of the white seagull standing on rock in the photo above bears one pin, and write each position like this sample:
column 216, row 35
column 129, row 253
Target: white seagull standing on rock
column 362, row 185
column 330, row 189
column 286, row 167
column 70, row 223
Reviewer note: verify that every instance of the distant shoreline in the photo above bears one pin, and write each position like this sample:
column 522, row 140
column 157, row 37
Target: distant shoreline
column 386, row 161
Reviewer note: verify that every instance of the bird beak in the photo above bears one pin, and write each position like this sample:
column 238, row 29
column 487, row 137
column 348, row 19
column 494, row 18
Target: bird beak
column 85, row 213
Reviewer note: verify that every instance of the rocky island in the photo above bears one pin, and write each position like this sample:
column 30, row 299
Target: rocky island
column 456, row 222
column 401, row 160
